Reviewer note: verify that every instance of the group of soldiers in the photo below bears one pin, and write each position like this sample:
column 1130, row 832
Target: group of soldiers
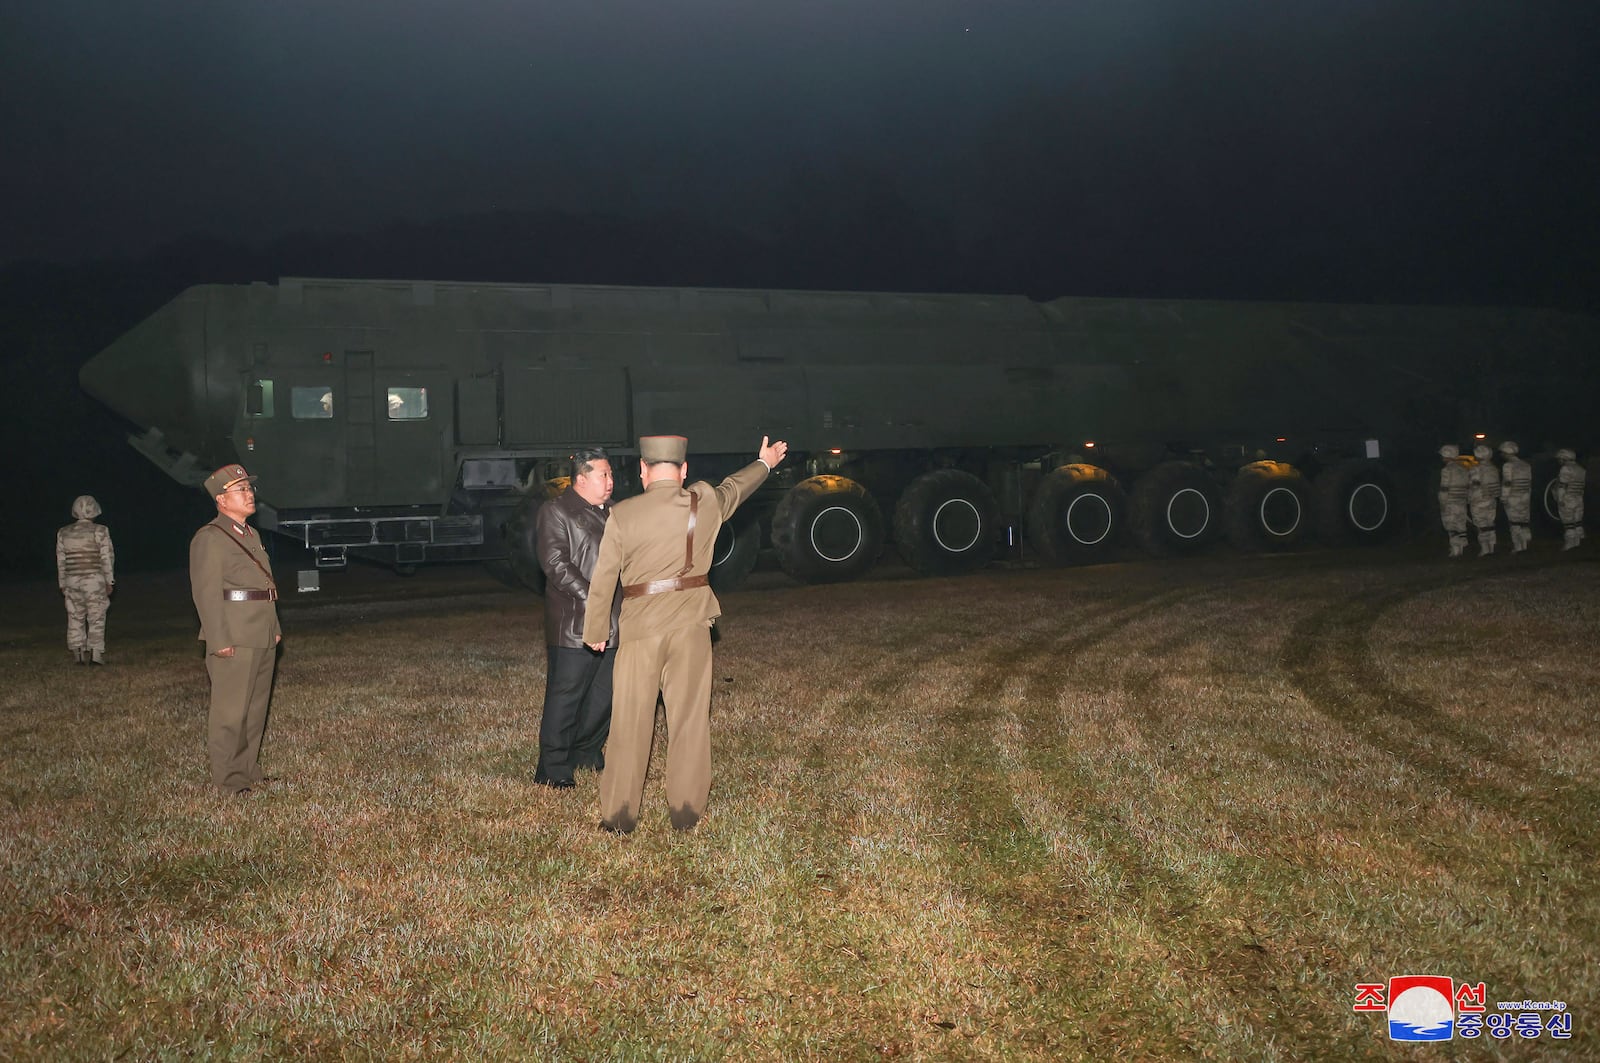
column 1474, row 487
column 646, row 560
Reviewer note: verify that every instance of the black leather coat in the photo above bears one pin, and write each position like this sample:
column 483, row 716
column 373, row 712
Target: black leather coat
column 569, row 540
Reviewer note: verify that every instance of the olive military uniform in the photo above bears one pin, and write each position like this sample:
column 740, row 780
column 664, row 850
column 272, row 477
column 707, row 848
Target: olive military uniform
column 665, row 635
column 230, row 577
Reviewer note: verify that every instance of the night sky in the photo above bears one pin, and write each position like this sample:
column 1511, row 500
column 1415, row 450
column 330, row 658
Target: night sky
column 1437, row 150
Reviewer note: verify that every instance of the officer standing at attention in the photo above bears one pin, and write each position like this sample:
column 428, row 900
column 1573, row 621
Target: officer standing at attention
column 230, row 577
column 1516, row 493
column 577, row 685
column 1454, row 481
column 1571, row 478
column 84, row 570
column 658, row 545
column 1483, row 493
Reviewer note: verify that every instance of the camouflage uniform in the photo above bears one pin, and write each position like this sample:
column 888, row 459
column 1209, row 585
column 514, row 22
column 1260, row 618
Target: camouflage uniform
column 84, row 561
column 1483, row 494
column 1454, row 481
column 1569, row 503
column 1516, row 494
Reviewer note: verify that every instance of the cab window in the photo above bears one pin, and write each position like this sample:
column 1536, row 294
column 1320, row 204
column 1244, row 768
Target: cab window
column 408, row 404
column 311, row 403
column 258, row 399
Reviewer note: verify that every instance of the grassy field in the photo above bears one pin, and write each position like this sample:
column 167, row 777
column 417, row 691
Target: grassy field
column 1156, row 810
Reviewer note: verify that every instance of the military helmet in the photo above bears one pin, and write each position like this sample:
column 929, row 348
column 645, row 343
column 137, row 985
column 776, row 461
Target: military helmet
column 1509, row 449
column 1566, row 454
column 1449, row 450
column 1482, row 453
column 84, row 507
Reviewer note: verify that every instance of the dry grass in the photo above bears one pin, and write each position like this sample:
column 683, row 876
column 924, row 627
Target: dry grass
column 1149, row 811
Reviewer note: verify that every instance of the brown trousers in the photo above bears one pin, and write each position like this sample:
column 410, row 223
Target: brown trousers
column 676, row 665
column 241, row 687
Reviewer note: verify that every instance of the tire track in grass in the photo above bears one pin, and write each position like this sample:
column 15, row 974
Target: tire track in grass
column 1184, row 934
column 1329, row 658
column 990, row 830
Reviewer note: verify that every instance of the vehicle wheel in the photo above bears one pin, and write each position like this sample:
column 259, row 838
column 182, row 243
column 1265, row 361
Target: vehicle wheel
column 501, row 571
column 1266, row 506
column 1076, row 515
column 734, row 555
column 522, row 543
column 944, row 523
column 1545, row 514
column 1355, row 503
column 1176, row 509
column 827, row 529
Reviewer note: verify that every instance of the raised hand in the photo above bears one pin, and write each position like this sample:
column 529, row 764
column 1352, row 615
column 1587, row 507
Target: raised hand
column 772, row 453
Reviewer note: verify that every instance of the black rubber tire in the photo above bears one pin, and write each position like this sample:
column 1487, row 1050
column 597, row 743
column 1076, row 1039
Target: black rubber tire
column 501, row 571
column 1176, row 509
column 522, row 543
column 1076, row 516
column 1542, row 512
column 827, row 529
column 1266, row 507
column 944, row 523
column 734, row 555
column 1355, row 503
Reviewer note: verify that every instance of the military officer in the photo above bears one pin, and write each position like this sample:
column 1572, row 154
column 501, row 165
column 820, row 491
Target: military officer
column 1483, row 495
column 1571, row 478
column 658, row 545
column 85, row 571
column 1516, row 493
column 1454, row 482
column 230, row 577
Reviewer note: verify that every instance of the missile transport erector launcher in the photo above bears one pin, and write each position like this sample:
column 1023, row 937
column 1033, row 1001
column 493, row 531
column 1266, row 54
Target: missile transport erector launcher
column 417, row 421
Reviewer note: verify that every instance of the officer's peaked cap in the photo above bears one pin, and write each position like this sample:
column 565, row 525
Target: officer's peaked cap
column 664, row 448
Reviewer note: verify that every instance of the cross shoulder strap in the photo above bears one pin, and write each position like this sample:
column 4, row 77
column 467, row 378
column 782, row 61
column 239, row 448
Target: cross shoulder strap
column 271, row 582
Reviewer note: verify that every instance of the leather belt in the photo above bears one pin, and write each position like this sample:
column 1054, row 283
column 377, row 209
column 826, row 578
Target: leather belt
column 250, row 596
column 661, row 586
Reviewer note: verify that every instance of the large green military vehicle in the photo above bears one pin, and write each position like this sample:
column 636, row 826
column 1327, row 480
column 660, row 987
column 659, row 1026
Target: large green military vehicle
column 418, row 421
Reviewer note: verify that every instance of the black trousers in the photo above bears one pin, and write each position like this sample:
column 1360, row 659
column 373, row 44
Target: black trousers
column 577, row 711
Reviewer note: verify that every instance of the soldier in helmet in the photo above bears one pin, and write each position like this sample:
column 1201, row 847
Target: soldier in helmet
column 1516, row 492
column 1483, row 494
column 1569, row 502
column 1454, row 482
column 84, row 561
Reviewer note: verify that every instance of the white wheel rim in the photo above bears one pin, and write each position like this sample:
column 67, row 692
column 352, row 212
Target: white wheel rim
column 1072, row 507
column 977, row 526
column 854, row 549
column 1267, row 523
column 733, row 539
column 1383, row 507
column 1205, row 509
